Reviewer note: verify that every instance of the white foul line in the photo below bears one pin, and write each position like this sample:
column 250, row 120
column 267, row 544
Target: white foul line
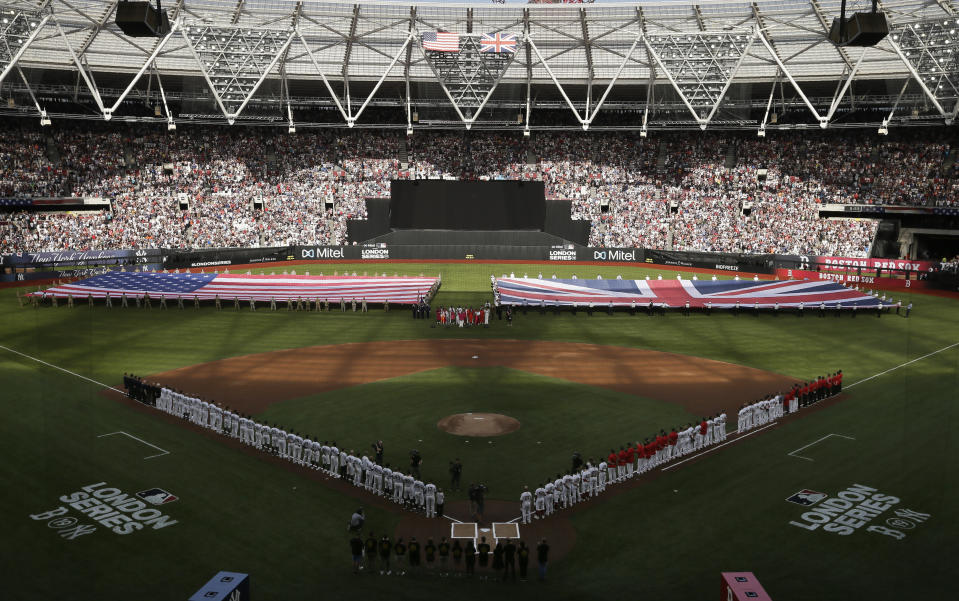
column 816, row 442
column 945, row 348
column 164, row 452
column 713, row 448
column 61, row 369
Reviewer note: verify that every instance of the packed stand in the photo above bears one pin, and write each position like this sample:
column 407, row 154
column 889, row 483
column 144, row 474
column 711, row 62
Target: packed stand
column 197, row 188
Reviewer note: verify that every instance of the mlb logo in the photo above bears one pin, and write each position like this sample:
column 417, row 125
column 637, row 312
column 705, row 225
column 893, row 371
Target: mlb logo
column 156, row 496
column 807, row 497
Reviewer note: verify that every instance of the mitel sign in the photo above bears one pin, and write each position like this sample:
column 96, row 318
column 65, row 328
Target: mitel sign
column 322, row 252
column 614, row 255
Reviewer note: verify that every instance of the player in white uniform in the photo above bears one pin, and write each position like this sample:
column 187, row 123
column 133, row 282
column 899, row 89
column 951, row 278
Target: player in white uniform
column 343, row 460
column 430, row 494
column 550, row 497
column 398, row 485
column 334, row 461
column 540, row 502
column 368, row 470
column 526, row 505
column 601, row 477
column 574, row 489
column 419, row 494
column 408, row 489
column 377, row 479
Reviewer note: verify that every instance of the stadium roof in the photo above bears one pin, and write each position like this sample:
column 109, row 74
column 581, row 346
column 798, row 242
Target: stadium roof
column 696, row 49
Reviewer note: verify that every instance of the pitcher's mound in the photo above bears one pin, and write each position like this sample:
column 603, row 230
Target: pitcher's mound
column 478, row 424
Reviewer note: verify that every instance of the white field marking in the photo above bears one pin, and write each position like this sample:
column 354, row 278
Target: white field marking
column 793, row 454
column 945, row 348
column 162, row 453
column 61, row 369
column 452, row 519
column 512, row 521
column 713, row 448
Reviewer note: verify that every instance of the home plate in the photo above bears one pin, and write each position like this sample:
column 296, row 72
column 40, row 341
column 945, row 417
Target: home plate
column 476, row 356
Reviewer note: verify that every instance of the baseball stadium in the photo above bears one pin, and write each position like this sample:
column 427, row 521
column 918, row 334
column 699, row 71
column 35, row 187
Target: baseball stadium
column 315, row 299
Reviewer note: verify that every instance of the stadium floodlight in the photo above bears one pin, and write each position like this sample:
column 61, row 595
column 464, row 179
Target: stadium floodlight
column 44, row 119
column 930, row 50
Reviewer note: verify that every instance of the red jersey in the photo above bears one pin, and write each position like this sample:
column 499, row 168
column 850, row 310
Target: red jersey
column 650, row 449
column 640, row 450
column 703, row 427
column 611, row 460
column 630, row 455
column 622, row 457
column 673, row 437
column 660, row 442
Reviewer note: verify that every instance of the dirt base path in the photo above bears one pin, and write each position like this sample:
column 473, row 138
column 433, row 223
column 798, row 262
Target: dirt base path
column 251, row 383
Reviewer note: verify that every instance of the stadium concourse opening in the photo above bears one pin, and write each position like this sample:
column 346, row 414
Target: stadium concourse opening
column 468, row 213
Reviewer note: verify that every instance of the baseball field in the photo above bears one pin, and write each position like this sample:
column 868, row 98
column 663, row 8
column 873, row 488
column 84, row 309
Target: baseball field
column 885, row 453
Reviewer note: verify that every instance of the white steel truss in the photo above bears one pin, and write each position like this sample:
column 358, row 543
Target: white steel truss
column 469, row 76
column 700, row 65
column 348, row 115
column 18, row 29
column 930, row 50
column 235, row 60
column 589, row 112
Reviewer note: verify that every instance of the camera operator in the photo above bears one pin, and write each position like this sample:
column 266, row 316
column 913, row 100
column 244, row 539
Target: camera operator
column 416, row 460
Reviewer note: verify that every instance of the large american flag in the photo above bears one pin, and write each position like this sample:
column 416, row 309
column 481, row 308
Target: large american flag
column 207, row 286
column 675, row 293
column 441, row 41
column 498, row 42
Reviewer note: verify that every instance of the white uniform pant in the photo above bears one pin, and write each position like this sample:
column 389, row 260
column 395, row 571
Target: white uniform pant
column 431, row 506
column 527, row 511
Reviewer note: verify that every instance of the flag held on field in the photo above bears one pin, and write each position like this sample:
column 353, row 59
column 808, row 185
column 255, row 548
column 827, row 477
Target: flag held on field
column 208, row 286
column 719, row 294
column 498, row 42
column 441, row 41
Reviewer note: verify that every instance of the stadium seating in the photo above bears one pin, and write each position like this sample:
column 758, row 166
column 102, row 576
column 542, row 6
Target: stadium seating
column 623, row 184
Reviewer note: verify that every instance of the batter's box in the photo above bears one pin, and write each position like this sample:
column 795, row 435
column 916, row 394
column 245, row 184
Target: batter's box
column 467, row 530
column 505, row 530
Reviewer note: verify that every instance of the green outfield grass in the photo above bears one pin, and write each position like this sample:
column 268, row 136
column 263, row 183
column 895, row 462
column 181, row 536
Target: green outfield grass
column 668, row 538
column 556, row 417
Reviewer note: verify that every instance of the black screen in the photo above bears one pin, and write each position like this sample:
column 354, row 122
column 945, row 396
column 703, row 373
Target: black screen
column 456, row 205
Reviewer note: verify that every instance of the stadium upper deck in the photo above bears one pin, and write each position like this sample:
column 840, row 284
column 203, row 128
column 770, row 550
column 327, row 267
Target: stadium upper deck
column 678, row 63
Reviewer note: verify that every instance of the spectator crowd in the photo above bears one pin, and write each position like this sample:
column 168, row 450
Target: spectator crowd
column 246, row 187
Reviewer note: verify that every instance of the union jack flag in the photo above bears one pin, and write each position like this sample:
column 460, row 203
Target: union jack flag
column 676, row 293
column 227, row 286
column 498, row 42
column 441, row 41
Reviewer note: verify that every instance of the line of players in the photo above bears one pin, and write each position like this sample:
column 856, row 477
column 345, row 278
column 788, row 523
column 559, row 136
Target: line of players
column 588, row 480
column 759, row 413
column 584, row 482
column 463, row 316
column 403, row 489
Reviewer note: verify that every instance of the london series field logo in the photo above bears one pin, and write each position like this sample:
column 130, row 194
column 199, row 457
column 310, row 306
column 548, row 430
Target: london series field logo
column 857, row 507
column 107, row 507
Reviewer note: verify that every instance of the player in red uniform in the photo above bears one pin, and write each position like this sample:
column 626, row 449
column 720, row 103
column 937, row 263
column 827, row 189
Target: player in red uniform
column 703, row 429
column 630, row 460
column 650, row 454
column 621, row 465
column 612, row 462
